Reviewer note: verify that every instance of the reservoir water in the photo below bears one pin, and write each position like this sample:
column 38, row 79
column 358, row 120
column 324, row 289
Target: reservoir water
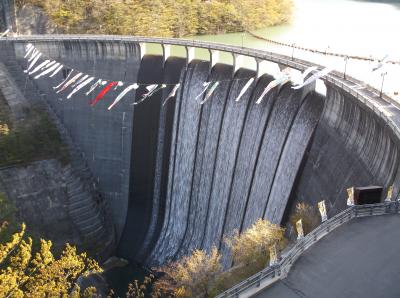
column 345, row 26
column 350, row 27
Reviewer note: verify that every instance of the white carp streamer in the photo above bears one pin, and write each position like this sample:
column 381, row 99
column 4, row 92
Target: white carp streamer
column 279, row 81
column 298, row 79
column 39, row 67
column 56, row 71
column 29, row 49
column 210, row 92
column 313, row 78
column 34, row 54
column 95, row 85
column 66, row 79
column 205, row 85
column 172, row 93
column 45, row 64
column 5, row 33
column 308, row 71
column 33, row 62
column 70, row 82
column 380, row 64
column 47, row 70
column 80, row 86
column 123, row 93
column 152, row 89
column 244, row 89
column 80, row 80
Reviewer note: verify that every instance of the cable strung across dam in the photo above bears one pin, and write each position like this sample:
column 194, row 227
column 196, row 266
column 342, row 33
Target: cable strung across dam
column 180, row 175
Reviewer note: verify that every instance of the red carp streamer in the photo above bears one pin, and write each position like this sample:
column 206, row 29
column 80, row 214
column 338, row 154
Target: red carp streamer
column 103, row 92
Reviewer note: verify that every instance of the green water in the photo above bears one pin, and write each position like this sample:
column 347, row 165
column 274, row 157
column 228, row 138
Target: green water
column 350, row 27
column 345, row 26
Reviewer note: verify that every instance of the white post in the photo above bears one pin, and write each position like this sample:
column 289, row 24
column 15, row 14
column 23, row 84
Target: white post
column 299, row 229
column 389, row 194
column 166, row 51
column 322, row 210
column 273, row 255
column 350, row 198
column 142, row 50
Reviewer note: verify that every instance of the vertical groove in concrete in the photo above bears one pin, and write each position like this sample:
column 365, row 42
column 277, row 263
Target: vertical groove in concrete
column 143, row 159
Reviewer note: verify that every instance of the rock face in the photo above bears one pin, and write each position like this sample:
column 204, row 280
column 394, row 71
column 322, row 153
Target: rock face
column 27, row 20
column 58, row 203
column 183, row 175
column 7, row 19
column 12, row 94
column 32, row 20
column 39, row 192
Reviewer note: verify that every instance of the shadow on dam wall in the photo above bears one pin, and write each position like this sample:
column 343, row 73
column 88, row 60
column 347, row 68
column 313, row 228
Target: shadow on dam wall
column 183, row 175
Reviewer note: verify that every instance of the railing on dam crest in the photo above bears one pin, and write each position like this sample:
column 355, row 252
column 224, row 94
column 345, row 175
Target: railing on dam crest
column 269, row 275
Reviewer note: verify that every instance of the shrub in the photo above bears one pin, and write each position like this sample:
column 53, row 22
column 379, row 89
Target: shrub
column 24, row 273
column 252, row 246
column 190, row 276
column 309, row 216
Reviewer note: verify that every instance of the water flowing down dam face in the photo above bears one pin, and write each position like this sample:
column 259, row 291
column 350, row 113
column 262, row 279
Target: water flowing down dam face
column 184, row 175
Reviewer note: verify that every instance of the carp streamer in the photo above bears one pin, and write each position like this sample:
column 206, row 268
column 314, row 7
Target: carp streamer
column 103, row 92
column 279, row 81
column 313, row 78
column 244, row 89
column 210, row 92
column 123, row 93
column 172, row 93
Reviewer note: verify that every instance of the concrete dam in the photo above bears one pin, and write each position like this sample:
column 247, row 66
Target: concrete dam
column 182, row 175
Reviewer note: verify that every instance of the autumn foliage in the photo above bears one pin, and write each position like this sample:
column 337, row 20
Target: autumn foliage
column 191, row 276
column 164, row 18
column 252, row 246
column 308, row 215
column 199, row 274
column 25, row 273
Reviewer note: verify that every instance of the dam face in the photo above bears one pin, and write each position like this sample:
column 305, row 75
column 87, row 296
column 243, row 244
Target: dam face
column 184, row 175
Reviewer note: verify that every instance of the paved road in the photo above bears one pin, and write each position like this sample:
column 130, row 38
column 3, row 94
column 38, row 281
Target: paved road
column 359, row 259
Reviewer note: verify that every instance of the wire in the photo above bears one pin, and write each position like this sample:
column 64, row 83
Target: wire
column 44, row 56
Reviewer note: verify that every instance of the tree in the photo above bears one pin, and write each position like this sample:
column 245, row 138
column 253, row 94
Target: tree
column 190, row 276
column 24, row 273
column 163, row 18
column 252, row 246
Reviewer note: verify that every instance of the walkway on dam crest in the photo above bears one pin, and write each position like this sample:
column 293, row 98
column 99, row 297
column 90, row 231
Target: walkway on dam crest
column 358, row 259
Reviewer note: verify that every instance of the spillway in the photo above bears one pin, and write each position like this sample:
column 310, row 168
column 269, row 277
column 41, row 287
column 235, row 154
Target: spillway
column 184, row 175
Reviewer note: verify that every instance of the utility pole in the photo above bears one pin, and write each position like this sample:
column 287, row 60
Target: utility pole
column 345, row 65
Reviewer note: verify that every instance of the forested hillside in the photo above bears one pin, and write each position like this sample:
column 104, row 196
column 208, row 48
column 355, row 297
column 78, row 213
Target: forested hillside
column 164, row 18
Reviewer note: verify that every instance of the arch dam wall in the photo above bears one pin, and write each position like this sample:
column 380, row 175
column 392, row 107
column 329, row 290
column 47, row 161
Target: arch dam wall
column 183, row 175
